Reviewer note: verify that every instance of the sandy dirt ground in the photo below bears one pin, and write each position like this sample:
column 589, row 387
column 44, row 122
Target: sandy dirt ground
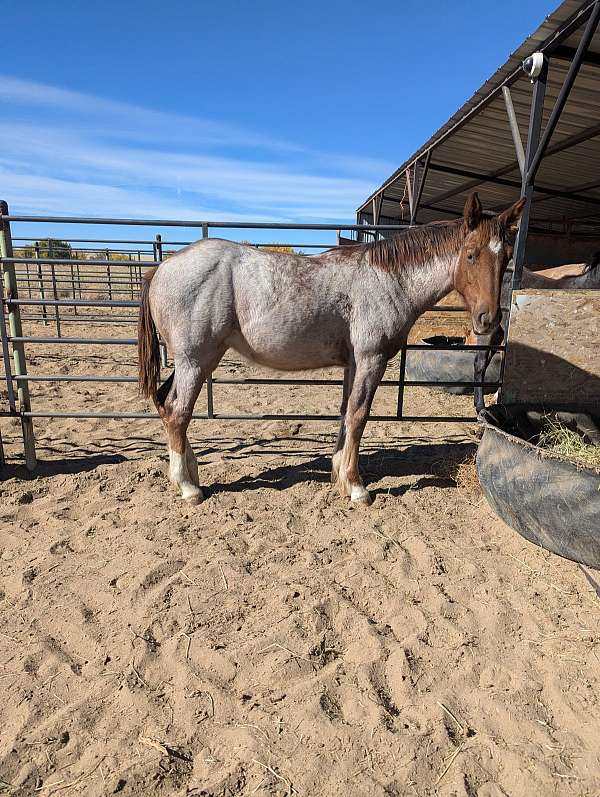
column 275, row 640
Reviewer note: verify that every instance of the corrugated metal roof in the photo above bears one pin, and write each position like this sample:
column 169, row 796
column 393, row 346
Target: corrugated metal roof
column 477, row 139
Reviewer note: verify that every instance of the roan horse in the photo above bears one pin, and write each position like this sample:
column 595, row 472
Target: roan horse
column 350, row 306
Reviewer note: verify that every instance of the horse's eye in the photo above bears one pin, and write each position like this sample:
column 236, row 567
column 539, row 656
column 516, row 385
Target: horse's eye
column 470, row 257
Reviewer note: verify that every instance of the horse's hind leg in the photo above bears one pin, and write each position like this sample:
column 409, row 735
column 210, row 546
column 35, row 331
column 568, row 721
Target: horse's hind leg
column 177, row 414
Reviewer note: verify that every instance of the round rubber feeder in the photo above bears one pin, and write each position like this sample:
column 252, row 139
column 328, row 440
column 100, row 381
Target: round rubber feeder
column 549, row 500
column 449, row 366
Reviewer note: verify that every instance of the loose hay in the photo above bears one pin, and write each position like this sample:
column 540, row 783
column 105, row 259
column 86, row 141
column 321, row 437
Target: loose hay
column 464, row 473
column 568, row 443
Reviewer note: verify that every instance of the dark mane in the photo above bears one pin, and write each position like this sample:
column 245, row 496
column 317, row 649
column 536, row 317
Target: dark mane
column 418, row 245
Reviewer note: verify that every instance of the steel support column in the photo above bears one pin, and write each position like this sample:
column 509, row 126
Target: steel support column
column 210, row 402
column 588, row 33
column 514, row 128
column 533, row 139
column 15, row 329
column 158, row 253
column 418, row 188
column 377, row 203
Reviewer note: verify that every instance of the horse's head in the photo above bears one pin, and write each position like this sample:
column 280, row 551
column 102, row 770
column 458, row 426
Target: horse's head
column 482, row 260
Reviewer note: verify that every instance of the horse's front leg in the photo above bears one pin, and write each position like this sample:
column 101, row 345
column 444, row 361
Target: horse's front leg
column 341, row 437
column 369, row 373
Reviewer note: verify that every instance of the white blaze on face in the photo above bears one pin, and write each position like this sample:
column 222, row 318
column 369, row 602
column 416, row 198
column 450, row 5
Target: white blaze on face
column 495, row 245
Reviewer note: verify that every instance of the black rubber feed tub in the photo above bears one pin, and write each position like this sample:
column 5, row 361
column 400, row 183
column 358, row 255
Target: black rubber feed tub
column 449, row 366
column 549, row 500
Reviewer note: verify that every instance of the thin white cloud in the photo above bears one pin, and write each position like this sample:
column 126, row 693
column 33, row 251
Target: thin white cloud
column 63, row 197
column 86, row 157
column 133, row 121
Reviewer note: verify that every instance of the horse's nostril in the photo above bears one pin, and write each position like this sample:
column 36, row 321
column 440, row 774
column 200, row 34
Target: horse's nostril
column 482, row 320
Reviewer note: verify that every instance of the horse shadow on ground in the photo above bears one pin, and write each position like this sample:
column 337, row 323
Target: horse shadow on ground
column 435, row 464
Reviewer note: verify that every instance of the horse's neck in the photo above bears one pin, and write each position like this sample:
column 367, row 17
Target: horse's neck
column 429, row 283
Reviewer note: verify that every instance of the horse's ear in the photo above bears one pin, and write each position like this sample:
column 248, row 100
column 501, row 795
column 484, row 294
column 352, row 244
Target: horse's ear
column 473, row 211
column 509, row 219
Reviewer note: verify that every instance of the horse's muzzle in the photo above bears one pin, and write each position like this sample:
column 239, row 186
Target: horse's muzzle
column 484, row 323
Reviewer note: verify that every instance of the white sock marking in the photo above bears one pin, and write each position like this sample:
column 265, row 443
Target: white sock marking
column 179, row 475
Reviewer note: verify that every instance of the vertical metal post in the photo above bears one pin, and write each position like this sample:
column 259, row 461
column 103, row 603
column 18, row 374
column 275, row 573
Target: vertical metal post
column 533, row 139
column 158, row 250
column 563, row 95
column 514, row 128
column 108, row 275
column 16, row 331
column 377, row 203
column 401, row 379
column 55, row 296
column 41, row 282
column 158, row 255
column 73, row 286
column 12, row 405
column 54, row 291
column 418, row 193
column 409, row 190
column 210, row 403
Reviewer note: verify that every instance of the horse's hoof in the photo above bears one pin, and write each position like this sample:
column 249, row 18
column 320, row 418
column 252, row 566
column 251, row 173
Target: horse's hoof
column 193, row 497
column 360, row 496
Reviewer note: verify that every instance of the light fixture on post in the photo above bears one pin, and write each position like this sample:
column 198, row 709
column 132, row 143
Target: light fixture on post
column 532, row 66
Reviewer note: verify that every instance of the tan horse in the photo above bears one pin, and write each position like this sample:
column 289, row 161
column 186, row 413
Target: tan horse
column 350, row 307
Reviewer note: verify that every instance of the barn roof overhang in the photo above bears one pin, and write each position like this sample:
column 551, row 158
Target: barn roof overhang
column 483, row 145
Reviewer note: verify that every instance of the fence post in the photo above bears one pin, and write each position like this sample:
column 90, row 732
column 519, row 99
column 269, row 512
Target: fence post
column 210, row 403
column 158, row 255
column 41, row 281
column 130, row 270
column 16, row 331
column 401, row 380
column 108, row 275
column 54, row 291
column 73, row 281
column 12, row 404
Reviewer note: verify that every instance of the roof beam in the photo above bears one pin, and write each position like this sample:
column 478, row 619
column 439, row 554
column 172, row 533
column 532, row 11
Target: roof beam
column 560, row 146
column 554, row 192
column 565, row 53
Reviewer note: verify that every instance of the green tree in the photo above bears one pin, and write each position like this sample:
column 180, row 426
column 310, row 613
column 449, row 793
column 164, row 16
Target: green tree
column 50, row 248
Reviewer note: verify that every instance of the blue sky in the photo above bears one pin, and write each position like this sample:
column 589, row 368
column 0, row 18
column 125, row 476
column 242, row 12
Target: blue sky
column 263, row 110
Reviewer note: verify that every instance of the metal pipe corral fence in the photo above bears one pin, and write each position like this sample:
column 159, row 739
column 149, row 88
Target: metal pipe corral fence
column 54, row 281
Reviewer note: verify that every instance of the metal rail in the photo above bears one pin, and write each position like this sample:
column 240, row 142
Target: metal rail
column 56, row 288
